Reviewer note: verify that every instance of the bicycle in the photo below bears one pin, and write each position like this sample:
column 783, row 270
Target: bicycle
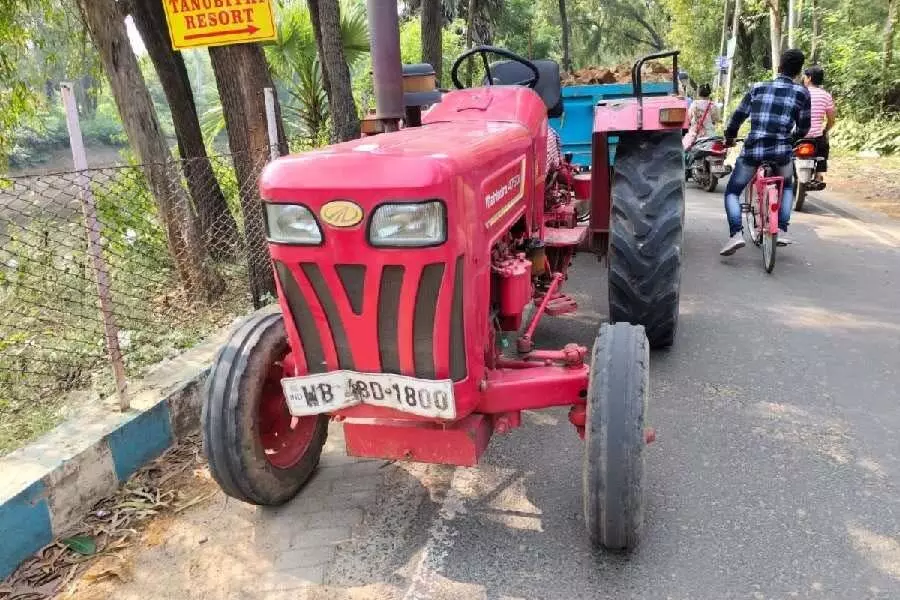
column 761, row 213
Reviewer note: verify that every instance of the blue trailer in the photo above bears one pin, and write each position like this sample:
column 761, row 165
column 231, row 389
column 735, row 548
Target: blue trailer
column 576, row 126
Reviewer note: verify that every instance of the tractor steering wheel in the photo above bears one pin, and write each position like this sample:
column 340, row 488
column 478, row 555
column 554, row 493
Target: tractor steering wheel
column 483, row 51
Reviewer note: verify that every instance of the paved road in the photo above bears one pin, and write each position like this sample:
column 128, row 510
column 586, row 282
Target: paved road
column 775, row 474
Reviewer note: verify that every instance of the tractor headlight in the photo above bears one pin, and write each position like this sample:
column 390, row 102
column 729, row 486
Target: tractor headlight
column 409, row 224
column 292, row 224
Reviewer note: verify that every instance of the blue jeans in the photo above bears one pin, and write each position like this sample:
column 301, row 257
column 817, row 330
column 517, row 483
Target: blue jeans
column 743, row 173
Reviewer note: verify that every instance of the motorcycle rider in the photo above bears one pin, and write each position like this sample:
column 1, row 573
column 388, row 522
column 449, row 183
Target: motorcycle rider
column 822, row 121
column 774, row 108
column 705, row 127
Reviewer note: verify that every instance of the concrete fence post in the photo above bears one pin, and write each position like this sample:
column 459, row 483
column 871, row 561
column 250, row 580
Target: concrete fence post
column 94, row 245
column 272, row 123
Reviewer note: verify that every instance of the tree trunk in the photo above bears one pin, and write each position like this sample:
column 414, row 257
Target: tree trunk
column 432, row 33
column 326, row 18
column 816, row 32
column 216, row 221
column 775, row 33
column 316, row 21
column 888, row 40
column 888, row 51
column 106, row 26
column 470, row 38
column 241, row 76
column 564, row 23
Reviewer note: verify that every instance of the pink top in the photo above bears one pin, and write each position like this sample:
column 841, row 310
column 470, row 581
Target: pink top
column 822, row 104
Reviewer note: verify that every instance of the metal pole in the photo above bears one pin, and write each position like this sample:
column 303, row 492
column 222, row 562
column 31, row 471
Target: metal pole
column 734, row 32
column 387, row 68
column 791, row 17
column 272, row 123
column 95, row 248
column 718, row 81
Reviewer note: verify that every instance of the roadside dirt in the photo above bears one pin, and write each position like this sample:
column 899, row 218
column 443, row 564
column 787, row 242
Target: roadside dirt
column 871, row 183
column 102, row 549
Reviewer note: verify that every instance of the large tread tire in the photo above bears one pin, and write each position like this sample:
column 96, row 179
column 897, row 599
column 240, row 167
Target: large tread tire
column 647, row 232
column 613, row 471
column 231, row 442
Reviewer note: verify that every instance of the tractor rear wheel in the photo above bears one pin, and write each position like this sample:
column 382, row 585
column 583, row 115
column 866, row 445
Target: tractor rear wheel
column 254, row 454
column 613, row 471
column 647, row 229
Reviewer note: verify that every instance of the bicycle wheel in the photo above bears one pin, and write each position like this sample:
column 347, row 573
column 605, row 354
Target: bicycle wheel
column 751, row 215
column 769, row 240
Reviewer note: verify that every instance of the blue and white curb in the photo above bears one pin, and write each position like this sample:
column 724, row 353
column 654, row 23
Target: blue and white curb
column 47, row 487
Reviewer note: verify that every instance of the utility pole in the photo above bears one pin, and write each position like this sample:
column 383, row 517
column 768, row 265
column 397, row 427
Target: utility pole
column 734, row 33
column 718, row 82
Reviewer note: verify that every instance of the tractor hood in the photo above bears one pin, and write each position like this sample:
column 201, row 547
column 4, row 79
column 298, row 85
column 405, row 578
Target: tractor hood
column 409, row 160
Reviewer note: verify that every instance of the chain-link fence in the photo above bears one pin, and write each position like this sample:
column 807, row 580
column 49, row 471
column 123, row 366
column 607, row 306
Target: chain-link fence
column 159, row 255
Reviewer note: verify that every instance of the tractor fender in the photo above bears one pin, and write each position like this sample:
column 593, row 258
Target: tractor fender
column 624, row 114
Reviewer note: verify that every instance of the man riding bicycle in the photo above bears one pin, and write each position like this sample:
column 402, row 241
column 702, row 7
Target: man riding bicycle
column 776, row 109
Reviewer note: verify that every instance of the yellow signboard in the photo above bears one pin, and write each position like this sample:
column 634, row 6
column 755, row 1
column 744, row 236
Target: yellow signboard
column 196, row 23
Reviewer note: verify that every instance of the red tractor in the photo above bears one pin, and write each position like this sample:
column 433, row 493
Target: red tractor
column 405, row 262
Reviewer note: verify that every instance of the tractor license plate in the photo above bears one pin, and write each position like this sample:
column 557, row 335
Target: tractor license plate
column 330, row 392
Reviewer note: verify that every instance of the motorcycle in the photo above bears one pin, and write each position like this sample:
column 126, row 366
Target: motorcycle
column 705, row 162
column 806, row 160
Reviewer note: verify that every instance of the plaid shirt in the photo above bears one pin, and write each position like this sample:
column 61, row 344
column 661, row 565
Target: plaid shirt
column 774, row 109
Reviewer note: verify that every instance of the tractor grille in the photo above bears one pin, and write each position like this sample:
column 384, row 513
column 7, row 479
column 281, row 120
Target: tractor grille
column 305, row 283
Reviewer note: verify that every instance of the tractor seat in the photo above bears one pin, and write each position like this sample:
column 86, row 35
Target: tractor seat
column 549, row 86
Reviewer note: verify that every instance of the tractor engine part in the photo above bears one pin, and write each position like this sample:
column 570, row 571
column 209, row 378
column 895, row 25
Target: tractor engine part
column 537, row 253
column 514, row 290
column 419, row 90
column 387, row 67
column 582, row 186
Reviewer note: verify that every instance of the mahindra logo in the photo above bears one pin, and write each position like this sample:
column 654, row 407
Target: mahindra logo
column 497, row 195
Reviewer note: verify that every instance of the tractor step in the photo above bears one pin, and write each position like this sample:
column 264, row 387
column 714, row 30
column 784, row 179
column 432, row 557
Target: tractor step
column 561, row 237
column 460, row 443
column 561, row 305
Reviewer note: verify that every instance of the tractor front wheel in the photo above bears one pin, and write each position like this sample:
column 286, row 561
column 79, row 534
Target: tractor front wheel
column 613, row 472
column 254, row 454
column 647, row 229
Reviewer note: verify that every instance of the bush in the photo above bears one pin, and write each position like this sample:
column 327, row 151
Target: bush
column 104, row 130
column 881, row 135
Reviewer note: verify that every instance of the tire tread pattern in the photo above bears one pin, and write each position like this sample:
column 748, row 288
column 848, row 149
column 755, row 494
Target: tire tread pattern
column 613, row 468
column 235, row 456
column 647, row 231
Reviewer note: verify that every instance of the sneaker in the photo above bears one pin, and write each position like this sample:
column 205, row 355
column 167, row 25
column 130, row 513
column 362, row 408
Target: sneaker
column 735, row 243
column 815, row 185
column 784, row 240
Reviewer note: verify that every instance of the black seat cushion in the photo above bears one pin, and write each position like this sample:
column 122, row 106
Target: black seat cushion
column 549, row 87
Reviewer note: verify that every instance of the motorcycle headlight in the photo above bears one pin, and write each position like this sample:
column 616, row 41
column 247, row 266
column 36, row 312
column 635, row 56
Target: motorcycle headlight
column 292, row 224
column 409, row 224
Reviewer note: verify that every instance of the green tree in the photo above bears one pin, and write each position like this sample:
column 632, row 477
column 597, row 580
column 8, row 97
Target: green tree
column 295, row 64
column 218, row 225
column 326, row 20
column 106, row 26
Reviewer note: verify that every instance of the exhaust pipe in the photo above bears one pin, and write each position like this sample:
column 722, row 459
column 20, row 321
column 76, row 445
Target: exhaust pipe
column 387, row 68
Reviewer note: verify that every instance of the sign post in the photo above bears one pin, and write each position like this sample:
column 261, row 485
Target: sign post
column 199, row 23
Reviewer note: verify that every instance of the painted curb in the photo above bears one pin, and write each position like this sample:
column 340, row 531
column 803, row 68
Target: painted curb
column 47, row 486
